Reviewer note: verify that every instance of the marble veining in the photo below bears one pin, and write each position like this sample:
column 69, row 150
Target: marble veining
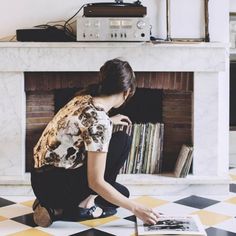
column 11, row 123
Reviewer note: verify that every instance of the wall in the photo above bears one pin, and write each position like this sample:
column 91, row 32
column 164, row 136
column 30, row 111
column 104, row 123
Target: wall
column 232, row 148
column 232, row 6
column 15, row 14
column 232, row 135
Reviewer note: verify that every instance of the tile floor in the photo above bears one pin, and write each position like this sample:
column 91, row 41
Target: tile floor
column 217, row 213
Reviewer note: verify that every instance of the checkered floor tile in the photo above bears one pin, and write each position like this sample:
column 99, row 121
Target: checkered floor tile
column 217, row 214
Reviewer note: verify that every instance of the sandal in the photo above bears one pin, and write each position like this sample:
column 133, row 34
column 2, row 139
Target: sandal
column 87, row 213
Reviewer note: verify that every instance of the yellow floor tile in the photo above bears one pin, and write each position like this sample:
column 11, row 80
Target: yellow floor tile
column 209, row 218
column 31, row 232
column 14, row 210
column 231, row 200
column 150, row 201
column 99, row 221
column 3, row 218
column 28, row 203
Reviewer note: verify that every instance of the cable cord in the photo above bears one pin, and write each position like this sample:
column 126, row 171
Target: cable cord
column 65, row 25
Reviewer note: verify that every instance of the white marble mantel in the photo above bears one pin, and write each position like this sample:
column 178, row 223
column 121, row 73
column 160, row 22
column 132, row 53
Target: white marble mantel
column 208, row 61
column 208, row 57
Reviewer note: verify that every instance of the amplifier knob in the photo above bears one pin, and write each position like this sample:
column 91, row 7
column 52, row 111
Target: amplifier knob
column 141, row 24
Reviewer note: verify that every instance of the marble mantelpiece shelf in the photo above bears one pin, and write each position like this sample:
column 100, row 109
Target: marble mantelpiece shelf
column 108, row 44
column 32, row 56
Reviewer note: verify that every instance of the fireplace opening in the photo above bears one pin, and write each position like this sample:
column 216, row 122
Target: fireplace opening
column 162, row 97
column 139, row 108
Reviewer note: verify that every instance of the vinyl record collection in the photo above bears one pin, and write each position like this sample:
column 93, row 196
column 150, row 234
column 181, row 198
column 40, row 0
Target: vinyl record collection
column 146, row 149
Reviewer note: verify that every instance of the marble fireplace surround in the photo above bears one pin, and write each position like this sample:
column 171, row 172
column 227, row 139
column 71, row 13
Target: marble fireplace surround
column 206, row 60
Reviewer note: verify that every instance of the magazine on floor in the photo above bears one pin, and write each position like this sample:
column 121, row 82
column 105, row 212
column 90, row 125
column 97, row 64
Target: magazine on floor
column 173, row 225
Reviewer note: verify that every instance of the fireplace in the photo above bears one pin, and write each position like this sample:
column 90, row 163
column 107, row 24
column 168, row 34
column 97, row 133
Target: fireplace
column 205, row 62
column 164, row 97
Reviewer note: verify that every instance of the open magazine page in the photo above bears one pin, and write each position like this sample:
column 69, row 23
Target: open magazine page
column 173, row 225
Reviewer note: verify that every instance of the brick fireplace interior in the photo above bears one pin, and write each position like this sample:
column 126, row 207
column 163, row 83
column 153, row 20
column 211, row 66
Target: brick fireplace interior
column 161, row 97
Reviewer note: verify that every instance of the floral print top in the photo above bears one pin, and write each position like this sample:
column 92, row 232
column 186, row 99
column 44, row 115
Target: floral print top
column 78, row 127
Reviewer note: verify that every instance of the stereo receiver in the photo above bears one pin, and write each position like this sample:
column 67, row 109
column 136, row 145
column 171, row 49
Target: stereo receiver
column 113, row 29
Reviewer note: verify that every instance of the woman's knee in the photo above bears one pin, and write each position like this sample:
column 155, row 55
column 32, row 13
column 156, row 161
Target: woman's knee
column 126, row 192
column 122, row 189
column 120, row 140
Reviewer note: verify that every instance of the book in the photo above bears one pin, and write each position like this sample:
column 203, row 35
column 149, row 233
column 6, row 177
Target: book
column 147, row 143
column 187, row 164
column 154, row 149
column 183, row 161
column 140, row 149
column 173, row 225
column 150, row 149
column 137, row 148
column 132, row 152
column 161, row 147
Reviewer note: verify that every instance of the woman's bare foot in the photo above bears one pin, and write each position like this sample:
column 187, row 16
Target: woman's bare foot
column 88, row 202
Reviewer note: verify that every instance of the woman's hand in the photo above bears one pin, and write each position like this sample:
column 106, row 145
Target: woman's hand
column 146, row 214
column 120, row 120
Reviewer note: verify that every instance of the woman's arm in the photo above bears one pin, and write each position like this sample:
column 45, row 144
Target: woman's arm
column 96, row 170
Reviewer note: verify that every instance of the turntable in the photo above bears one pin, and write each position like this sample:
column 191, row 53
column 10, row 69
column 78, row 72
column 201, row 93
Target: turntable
column 115, row 9
column 113, row 21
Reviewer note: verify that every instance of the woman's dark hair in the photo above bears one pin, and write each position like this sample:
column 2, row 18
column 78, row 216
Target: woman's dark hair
column 115, row 76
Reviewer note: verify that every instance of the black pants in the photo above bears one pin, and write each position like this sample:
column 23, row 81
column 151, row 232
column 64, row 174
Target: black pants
column 66, row 188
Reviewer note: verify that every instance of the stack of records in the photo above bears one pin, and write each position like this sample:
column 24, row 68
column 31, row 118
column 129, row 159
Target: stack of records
column 146, row 151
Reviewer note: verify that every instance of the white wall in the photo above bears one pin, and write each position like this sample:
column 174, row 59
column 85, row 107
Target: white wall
column 232, row 6
column 232, row 148
column 186, row 16
column 232, row 135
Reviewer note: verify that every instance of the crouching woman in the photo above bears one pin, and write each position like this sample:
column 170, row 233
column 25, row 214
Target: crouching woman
column 77, row 158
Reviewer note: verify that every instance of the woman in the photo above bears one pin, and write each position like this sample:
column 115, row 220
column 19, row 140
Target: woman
column 77, row 158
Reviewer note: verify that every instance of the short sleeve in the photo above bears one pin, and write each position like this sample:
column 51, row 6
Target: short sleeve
column 97, row 136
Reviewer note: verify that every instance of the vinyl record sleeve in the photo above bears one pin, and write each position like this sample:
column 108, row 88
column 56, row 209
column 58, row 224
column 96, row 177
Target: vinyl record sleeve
column 173, row 225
